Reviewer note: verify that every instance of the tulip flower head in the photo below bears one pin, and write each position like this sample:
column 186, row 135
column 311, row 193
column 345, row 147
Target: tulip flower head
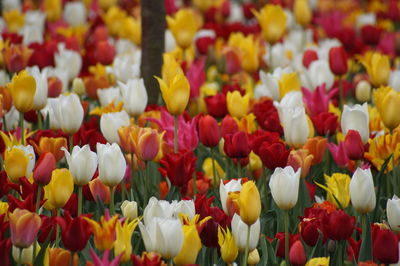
column 44, row 168
column 238, row 105
column 378, row 68
column 23, row 88
column 70, row 113
column 104, row 232
column 184, row 26
column 393, row 213
column 19, row 162
column 112, row 164
column 239, row 231
column 59, row 190
column 272, row 20
column 74, row 232
column 111, row 122
column 249, row 203
column 122, row 243
column 227, row 243
column 356, row 118
column 362, row 191
column 387, row 101
column 284, row 185
column 129, row 209
column 24, row 227
column 302, row 12
column 134, row 96
column 338, row 188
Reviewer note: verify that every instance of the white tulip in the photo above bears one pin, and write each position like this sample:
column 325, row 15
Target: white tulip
column 239, row 231
column 51, row 112
column 30, row 154
column 82, row 164
column 61, row 74
column 284, row 185
column 4, row 79
column 365, row 19
column 31, row 34
column 127, row 66
column 295, row 125
column 111, row 122
column 169, row 43
column 165, row 209
column 12, row 119
column 232, row 186
column 292, row 99
column 134, row 96
column 319, row 73
column 106, row 96
column 269, row 87
column 112, row 164
column 35, row 18
column 11, row 4
column 158, row 234
column 70, row 113
column 75, row 13
column 394, row 80
column 185, row 207
column 68, row 61
column 129, row 209
column 40, row 99
column 125, row 46
column 393, row 213
column 362, row 191
column 277, row 58
column 356, row 118
column 26, row 255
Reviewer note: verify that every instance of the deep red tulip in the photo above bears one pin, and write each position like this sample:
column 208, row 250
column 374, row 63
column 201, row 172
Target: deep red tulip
column 274, row 155
column 371, row 34
column 325, row 123
column 74, row 232
column 267, row 116
column 297, row 255
column 209, row 132
column 45, row 165
column 339, row 225
column 353, row 249
column 353, row 145
column 237, row 145
column 54, row 87
column 4, row 188
column 310, row 229
column 386, row 247
column 309, row 56
column 204, row 43
column 49, row 223
column 178, row 167
column 261, row 136
column 229, row 126
column 104, row 52
column 5, row 254
column 338, row 60
column 280, row 251
column 216, row 105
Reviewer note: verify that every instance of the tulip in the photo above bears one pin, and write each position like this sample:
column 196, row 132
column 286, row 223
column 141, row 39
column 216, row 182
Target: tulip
column 24, row 227
column 363, row 91
column 393, row 213
column 178, row 167
column 356, row 118
column 297, row 254
column 325, row 123
column 74, row 232
column 295, row 125
column 249, row 203
column 338, row 189
column 104, row 232
column 229, row 125
column 239, row 231
column 319, row 73
column 157, row 236
column 18, row 162
column 53, row 145
column 43, row 169
column 378, row 68
column 191, row 246
column 112, row 164
column 78, row 86
column 362, row 191
column 62, row 257
column 284, row 185
column 272, row 20
column 59, row 190
column 209, row 132
column 40, row 99
column 338, row 60
column 353, row 145
column 385, row 247
column 82, row 164
column 16, row 57
column 129, row 209
column 24, row 255
column 339, row 225
column 225, row 189
column 100, row 192
column 216, row 105
column 394, row 80
column 70, row 113
column 147, row 258
column 300, row 159
column 238, row 105
column 23, row 89
column 387, row 101
column 302, row 12
column 68, row 60
column 227, row 244
column 74, row 13
column 111, row 122
column 309, row 56
column 237, row 145
column 184, row 26
column 134, row 96
column 274, row 155
column 320, row 261
column 109, row 95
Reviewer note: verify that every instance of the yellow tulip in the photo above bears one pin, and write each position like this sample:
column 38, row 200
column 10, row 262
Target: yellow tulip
column 114, row 19
column 321, row 261
column 289, row 82
column 227, row 243
column 387, row 101
column 170, row 68
column 377, row 66
column 191, row 246
column 238, row 105
column 302, row 12
column 272, row 20
column 208, row 170
column 254, row 257
column 15, row 164
column 59, row 190
column 53, row 9
column 338, row 188
column 22, row 88
column 255, row 162
column 14, row 20
column 131, row 30
column 184, row 26
column 176, row 95
column 4, row 208
column 249, row 203
column 123, row 242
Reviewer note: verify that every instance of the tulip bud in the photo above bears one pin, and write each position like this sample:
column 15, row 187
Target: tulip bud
column 70, row 113
column 26, row 255
column 239, row 230
column 100, row 192
column 272, row 20
column 209, row 133
column 111, row 122
column 353, row 145
column 176, row 94
column 284, row 185
column 60, row 256
column 362, row 191
column 78, row 86
column 356, row 118
column 184, row 26
column 250, row 203
column 129, row 209
column 44, row 167
column 254, row 257
column 385, row 247
column 338, row 60
column 387, row 102
column 297, row 255
column 393, row 213
column 309, row 56
column 112, row 164
column 237, row 105
column 363, row 91
column 229, row 125
column 300, row 159
column 237, row 145
column 302, row 12
column 23, row 88
column 59, row 190
column 19, row 162
column 134, row 96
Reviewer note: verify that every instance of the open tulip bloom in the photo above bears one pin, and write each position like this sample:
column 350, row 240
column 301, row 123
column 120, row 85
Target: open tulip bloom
column 200, row 132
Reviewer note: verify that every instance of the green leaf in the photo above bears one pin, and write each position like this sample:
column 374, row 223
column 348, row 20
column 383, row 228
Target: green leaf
column 366, row 244
column 315, row 252
column 264, row 251
column 272, row 252
column 39, row 260
column 380, row 181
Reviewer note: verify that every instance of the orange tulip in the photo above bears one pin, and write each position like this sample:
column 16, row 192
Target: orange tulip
column 6, row 98
column 316, row 146
column 24, row 227
column 52, row 145
column 99, row 191
column 16, row 57
column 104, row 232
column 300, row 159
column 61, row 257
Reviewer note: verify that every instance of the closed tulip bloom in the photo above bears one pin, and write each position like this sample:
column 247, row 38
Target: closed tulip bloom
column 385, row 247
column 225, row 190
column 272, row 20
column 302, row 12
column 53, row 145
column 237, row 145
column 70, row 113
column 387, row 101
column 184, row 26
column 319, row 261
column 378, row 68
column 176, row 94
column 129, row 209
column 249, row 203
column 209, row 132
column 23, row 89
column 44, row 167
column 82, row 164
column 24, row 227
column 238, row 105
column 339, row 225
column 40, row 99
column 227, row 244
column 61, row 257
column 297, row 254
column 338, row 189
column 356, row 118
column 353, row 145
column 19, row 161
column 363, row 91
column 295, row 125
column 338, row 60
column 393, row 213
column 147, row 143
column 100, row 192
column 26, row 255
column 284, row 185
column 59, row 190
column 362, row 191
column 74, row 232
column 134, row 96
column 109, row 95
column 239, row 231
column 112, row 164
column 300, row 159
column 111, row 122
column 191, row 246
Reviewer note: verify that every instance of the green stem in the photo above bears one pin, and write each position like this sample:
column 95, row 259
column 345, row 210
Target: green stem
column 239, row 168
column 146, row 177
column 4, row 123
column 246, row 251
column 70, row 143
column 394, row 177
column 79, row 200
column 132, row 175
column 112, row 206
column 38, row 196
column 194, row 185
column 286, row 224
column 40, row 120
column 176, row 134
column 214, row 169
column 58, row 231
column 19, row 257
column 341, row 94
column 21, row 125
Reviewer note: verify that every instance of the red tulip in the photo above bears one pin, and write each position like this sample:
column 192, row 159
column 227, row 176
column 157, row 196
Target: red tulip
column 325, row 123
column 309, row 56
column 209, row 133
column 297, row 255
column 338, row 60
column 237, row 145
column 274, row 155
column 216, row 105
column 45, row 165
column 5, row 254
column 203, row 44
column 267, row 116
column 371, row 34
column 229, row 125
column 310, row 230
column 280, row 251
column 261, row 136
column 74, row 232
column 178, row 167
column 386, row 247
column 339, row 225
column 353, row 145
column 104, row 52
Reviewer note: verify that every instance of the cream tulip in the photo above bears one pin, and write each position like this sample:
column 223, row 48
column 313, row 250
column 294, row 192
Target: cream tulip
column 284, row 185
column 393, row 213
column 40, row 99
column 70, row 113
column 295, row 125
column 111, row 122
column 82, row 164
column 127, row 66
column 106, row 96
column 112, row 164
column 75, row 13
column 68, row 61
column 129, row 209
column 134, row 96
column 239, row 231
column 394, row 80
column 362, row 191
column 356, row 118
column 319, row 73
column 224, row 189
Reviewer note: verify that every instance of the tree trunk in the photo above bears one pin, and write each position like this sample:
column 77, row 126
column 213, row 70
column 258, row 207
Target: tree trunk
column 153, row 27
